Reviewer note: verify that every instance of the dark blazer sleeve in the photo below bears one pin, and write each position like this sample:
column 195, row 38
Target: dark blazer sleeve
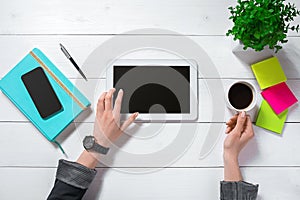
column 72, row 181
column 238, row 191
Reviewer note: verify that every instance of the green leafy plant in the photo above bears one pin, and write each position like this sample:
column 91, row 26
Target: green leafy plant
column 260, row 23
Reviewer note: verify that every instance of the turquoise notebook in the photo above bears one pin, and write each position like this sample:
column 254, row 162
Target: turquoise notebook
column 71, row 99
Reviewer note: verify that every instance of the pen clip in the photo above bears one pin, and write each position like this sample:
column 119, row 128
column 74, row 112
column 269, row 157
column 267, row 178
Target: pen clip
column 65, row 51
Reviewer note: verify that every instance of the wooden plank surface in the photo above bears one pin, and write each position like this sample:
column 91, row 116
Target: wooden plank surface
column 107, row 17
column 82, row 26
column 32, row 149
column 217, row 48
column 191, row 17
column 167, row 184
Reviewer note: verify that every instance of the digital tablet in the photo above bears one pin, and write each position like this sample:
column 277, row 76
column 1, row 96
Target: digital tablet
column 160, row 90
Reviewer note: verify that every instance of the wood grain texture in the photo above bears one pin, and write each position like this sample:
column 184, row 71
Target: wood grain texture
column 217, row 48
column 32, row 149
column 190, row 17
column 167, row 184
column 113, row 17
column 28, row 168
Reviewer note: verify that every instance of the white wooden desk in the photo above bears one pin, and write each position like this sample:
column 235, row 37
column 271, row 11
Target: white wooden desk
column 28, row 161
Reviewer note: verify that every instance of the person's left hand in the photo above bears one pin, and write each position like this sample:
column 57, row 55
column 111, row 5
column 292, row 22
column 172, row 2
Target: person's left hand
column 107, row 126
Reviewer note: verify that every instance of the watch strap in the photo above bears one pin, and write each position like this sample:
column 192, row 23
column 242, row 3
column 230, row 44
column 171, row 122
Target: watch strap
column 100, row 149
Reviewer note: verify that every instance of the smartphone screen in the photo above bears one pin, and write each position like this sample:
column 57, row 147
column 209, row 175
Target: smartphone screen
column 41, row 92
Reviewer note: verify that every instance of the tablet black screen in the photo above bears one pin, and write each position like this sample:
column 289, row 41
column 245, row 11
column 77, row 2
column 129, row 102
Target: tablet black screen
column 153, row 89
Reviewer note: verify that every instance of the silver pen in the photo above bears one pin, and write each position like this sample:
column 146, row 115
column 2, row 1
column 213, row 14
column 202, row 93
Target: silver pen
column 64, row 50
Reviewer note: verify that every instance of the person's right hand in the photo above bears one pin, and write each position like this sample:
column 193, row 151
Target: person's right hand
column 240, row 131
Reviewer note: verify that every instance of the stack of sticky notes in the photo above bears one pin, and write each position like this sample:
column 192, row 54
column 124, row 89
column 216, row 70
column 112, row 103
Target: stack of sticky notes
column 277, row 95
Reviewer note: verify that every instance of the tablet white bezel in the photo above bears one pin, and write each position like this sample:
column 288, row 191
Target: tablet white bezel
column 155, row 117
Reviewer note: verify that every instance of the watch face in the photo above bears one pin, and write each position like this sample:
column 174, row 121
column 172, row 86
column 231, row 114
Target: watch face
column 88, row 142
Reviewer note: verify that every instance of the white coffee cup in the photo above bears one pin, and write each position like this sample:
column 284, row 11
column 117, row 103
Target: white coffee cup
column 251, row 104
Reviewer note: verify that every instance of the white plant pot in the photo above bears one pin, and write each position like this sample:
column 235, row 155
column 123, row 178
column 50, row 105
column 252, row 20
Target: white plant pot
column 249, row 55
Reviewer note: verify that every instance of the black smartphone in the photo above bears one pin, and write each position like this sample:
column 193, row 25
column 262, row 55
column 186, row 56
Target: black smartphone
column 41, row 92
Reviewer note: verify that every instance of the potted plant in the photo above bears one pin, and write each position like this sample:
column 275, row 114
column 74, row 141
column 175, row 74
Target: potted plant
column 262, row 23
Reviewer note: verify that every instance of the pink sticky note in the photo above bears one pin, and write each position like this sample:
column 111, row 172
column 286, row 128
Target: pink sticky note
column 279, row 97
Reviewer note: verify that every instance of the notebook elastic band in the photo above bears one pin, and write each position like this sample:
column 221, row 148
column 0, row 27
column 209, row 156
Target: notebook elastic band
column 57, row 80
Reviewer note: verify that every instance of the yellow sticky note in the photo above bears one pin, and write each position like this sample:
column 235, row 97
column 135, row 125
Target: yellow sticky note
column 267, row 118
column 268, row 72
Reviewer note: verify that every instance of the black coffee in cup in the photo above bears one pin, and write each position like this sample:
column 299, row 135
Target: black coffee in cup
column 240, row 96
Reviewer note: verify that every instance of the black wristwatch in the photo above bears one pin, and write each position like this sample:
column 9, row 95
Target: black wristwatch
column 90, row 144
